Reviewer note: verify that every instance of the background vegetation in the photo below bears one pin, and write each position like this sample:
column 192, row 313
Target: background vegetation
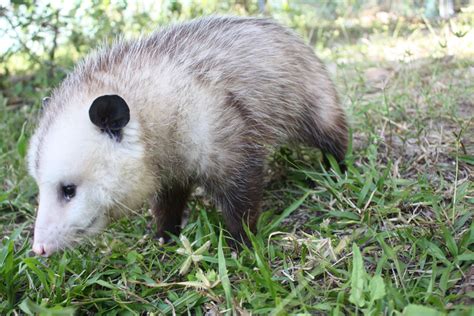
column 394, row 235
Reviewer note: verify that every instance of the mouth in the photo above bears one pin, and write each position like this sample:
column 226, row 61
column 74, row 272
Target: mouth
column 44, row 246
column 93, row 221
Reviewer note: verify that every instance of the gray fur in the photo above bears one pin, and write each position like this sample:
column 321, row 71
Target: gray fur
column 246, row 84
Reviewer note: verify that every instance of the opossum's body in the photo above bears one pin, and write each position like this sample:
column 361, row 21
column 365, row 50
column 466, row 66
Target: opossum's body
column 194, row 104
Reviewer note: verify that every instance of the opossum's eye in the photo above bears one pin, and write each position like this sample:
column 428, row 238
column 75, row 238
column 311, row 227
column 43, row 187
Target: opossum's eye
column 45, row 102
column 68, row 191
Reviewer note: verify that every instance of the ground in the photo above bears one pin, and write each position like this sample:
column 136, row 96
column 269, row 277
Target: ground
column 392, row 235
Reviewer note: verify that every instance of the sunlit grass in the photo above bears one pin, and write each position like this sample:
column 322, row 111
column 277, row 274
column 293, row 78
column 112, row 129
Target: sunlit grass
column 393, row 235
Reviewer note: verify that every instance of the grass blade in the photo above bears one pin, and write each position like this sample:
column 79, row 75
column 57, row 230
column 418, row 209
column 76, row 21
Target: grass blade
column 290, row 209
column 358, row 278
column 223, row 274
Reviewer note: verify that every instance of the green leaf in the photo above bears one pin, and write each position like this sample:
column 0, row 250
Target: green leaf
column 286, row 213
column 186, row 265
column 333, row 163
column 417, row 310
column 444, row 279
column 33, row 264
column 358, row 278
column 467, row 159
column 31, row 308
column 223, row 273
column 377, row 288
column 466, row 257
column 8, row 247
column 132, row 257
column 346, row 215
column 22, row 143
column 203, row 248
column 263, row 266
column 450, row 243
column 22, row 2
column 363, row 193
column 434, row 250
column 105, row 284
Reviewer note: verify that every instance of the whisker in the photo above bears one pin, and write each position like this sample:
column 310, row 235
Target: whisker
column 127, row 209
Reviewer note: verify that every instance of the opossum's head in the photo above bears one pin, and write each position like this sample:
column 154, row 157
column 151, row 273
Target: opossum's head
column 88, row 160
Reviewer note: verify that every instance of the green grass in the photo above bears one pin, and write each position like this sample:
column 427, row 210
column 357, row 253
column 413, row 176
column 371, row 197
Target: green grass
column 394, row 235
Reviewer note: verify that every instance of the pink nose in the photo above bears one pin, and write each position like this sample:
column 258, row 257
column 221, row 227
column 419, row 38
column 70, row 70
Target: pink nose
column 40, row 250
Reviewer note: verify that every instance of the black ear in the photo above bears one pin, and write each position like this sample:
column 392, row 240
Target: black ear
column 110, row 113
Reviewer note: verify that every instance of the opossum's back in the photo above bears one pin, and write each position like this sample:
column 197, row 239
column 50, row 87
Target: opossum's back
column 227, row 51
column 265, row 67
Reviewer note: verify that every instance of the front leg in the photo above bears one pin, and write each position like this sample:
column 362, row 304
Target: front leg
column 168, row 207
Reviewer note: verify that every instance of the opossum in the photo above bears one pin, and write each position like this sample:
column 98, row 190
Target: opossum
column 200, row 103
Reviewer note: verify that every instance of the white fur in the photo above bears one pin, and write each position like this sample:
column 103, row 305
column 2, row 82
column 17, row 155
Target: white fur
column 177, row 83
column 110, row 177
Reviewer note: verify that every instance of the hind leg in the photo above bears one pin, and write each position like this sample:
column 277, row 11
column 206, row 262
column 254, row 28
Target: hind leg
column 240, row 198
column 330, row 138
column 168, row 207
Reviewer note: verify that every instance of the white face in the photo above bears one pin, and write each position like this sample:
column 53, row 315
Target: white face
column 85, row 177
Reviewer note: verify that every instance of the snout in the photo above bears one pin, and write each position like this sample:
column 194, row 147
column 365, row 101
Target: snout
column 43, row 249
column 46, row 240
column 38, row 249
column 48, row 236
